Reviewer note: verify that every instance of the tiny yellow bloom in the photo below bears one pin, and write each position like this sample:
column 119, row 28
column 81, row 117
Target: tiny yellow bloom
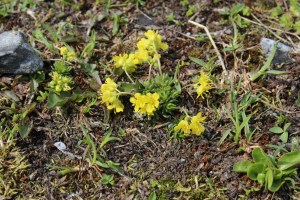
column 152, row 43
column 196, row 127
column 71, row 56
column 67, row 54
column 191, row 124
column 63, row 51
column 109, row 96
column 143, row 44
column 59, row 82
column 183, row 126
column 120, row 60
column 141, row 56
column 126, row 61
column 145, row 104
column 204, row 84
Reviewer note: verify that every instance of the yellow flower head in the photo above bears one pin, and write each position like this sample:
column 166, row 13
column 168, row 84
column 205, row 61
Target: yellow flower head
column 60, row 83
column 109, row 96
column 193, row 126
column 67, row 54
column 152, row 43
column 141, row 56
column 183, row 126
column 63, row 50
column 196, row 127
column 120, row 60
column 126, row 61
column 145, row 104
column 204, row 84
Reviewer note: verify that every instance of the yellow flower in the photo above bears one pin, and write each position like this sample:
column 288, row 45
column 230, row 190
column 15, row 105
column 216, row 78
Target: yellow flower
column 71, row 56
column 194, row 126
column 141, row 56
column 145, row 104
column 126, row 61
column 152, row 43
column 60, row 83
column 67, row 54
column 204, row 84
column 143, row 44
column 120, row 60
column 63, row 50
column 109, row 96
column 183, row 126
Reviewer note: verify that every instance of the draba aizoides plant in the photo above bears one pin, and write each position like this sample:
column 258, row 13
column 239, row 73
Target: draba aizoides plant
column 144, row 100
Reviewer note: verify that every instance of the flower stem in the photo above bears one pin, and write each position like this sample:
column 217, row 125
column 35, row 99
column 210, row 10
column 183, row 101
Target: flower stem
column 150, row 68
column 129, row 76
column 158, row 60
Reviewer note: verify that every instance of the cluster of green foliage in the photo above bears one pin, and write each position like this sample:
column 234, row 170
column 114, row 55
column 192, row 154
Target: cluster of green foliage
column 268, row 171
column 288, row 19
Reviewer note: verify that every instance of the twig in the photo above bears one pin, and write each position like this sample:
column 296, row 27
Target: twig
column 266, row 27
column 282, row 110
column 213, row 43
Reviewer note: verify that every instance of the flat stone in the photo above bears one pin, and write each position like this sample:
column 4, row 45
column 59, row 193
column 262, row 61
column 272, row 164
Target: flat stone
column 16, row 55
column 282, row 51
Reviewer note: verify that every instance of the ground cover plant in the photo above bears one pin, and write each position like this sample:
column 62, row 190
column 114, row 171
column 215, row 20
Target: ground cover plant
column 152, row 100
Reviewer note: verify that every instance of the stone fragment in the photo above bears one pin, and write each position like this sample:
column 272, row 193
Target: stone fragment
column 16, row 55
column 282, row 51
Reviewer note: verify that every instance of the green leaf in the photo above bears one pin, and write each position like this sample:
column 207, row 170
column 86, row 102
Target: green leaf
column 256, row 169
column 254, row 76
column 276, row 185
column 284, row 137
column 24, row 130
column 54, row 100
column 259, row 155
column 107, row 138
column 128, row 87
column 277, row 11
column 269, row 178
column 242, row 166
column 152, row 196
column 261, row 178
column 286, row 21
column 107, row 179
column 297, row 27
column 298, row 100
column 276, row 72
column 236, row 8
column 276, row 130
column 198, row 61
column 286, row 126
column 180, row 188
column 289, row 160
column 10, row 95
column 277, row 174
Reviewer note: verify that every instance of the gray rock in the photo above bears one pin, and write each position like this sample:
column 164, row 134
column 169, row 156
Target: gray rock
column 282, row 51
column 16, row 55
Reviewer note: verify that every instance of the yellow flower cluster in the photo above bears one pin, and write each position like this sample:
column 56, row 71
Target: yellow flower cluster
column 203, row 85
column 147, row 51
column 67, row 54
column 109, row 95
column 152, row 43
column 60, row 83
column 145, row 104
column 189, row 125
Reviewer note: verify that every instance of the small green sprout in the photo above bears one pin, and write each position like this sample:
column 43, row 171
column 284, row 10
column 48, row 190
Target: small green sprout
column 282, row 132
column 60, row 83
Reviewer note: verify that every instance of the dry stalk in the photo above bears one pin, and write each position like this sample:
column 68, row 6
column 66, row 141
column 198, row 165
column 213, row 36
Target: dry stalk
column 212, row 42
